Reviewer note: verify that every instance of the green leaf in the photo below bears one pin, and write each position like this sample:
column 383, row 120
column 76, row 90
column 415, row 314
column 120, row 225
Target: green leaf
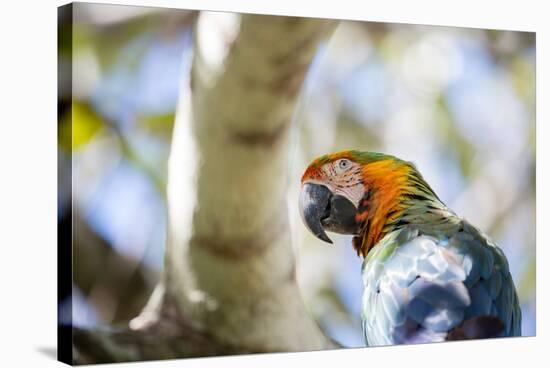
column 80, row 127
column 158, row 124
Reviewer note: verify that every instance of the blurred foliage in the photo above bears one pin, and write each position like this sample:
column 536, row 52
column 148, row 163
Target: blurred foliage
column 85, row 124
column 127, row 149
column 158, row 124
column 460, row 103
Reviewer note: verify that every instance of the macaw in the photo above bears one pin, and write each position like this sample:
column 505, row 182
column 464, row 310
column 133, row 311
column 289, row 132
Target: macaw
column 428, row 274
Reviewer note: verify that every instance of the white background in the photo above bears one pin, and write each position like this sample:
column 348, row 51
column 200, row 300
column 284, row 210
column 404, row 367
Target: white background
column 28, row 164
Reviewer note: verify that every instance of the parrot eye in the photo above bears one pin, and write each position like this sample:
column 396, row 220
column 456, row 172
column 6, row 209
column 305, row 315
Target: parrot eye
column 343, row 164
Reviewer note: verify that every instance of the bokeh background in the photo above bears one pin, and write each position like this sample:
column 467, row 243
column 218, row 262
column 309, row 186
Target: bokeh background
column 458, row 102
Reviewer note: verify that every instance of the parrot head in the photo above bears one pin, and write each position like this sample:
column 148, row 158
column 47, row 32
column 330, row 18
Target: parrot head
column 358, row 193
column 332, row 187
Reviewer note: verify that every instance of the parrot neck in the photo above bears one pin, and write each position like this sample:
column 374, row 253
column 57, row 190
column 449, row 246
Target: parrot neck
column 396, row 196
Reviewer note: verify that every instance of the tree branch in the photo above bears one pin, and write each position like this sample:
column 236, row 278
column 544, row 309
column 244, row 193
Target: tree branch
column 229, row 265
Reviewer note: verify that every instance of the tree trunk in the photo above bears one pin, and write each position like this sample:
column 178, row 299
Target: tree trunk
column 230, row 276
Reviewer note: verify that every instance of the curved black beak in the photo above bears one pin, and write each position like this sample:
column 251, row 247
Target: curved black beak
column 314, row 207
column 321, row 210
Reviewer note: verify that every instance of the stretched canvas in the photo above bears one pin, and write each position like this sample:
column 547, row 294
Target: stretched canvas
column 245, row 183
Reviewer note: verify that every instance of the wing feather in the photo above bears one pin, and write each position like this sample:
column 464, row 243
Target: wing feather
column 423, row 287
